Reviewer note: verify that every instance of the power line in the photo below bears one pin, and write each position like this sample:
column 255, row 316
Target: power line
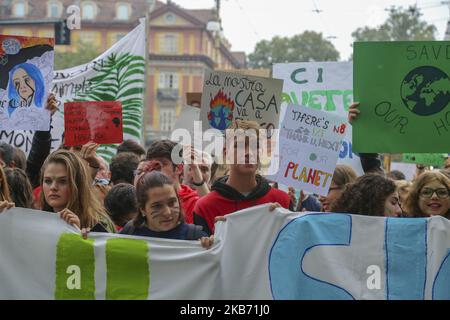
column 248, row 20
column 318, row 11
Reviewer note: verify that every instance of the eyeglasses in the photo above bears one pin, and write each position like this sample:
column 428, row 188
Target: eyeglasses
column 442, row 193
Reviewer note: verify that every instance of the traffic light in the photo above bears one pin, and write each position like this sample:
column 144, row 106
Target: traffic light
column 62, row 33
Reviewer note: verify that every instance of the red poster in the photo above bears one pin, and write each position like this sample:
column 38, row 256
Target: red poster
column 98, row 121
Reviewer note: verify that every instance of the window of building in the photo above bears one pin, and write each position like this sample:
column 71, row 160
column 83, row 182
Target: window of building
column 167, row 118
column 119, row 36
column 88, row 11
column 90, row 37
column 19, row 9
column 170, row 43
column 169, row 18
column 123, row 11
column 54, row 9
column 168, row 80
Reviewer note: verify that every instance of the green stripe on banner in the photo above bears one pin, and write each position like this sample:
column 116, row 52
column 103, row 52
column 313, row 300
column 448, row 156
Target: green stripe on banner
column 128, row 275
column 75, row 268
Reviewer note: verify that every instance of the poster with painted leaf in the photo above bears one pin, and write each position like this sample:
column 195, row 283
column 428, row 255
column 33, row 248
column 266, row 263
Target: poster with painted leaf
column 428, row 159
column 404, row 91
column 326, row 86
column 98, row 121
column 228, row 96
column 26, row 69
column 309, row 145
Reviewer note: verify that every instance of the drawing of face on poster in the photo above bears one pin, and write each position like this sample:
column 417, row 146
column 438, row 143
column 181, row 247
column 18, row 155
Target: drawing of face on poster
column 27, row 63
column 26, row 87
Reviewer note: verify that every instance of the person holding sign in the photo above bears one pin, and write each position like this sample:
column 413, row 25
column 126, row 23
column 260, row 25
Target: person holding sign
column 242, row 189
column 66, row 189
column 343, row 174
column 429, row 196
column 160, row 213
column 161, row 152
column 370, row 194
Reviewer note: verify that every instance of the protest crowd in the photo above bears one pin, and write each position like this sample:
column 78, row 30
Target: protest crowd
column 143, row 192
column 292, row 145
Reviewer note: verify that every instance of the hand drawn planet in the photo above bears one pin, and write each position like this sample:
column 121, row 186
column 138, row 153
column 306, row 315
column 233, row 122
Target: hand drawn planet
column 426, row 90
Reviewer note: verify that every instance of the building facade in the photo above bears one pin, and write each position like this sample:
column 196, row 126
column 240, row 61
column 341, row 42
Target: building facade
column 181, row 48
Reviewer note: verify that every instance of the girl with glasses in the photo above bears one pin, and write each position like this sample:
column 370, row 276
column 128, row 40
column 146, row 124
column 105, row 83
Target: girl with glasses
column 429, row 196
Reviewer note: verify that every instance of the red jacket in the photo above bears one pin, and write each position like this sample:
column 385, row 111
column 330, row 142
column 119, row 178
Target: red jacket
column 223, row 200
column 188, row 199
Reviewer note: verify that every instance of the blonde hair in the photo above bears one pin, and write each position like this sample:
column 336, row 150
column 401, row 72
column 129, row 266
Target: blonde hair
column 82, row 200
column 412, row 202
column 4, row 187
column 402, row 185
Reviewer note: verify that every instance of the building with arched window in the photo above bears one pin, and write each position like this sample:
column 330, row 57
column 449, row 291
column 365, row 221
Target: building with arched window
column 181, row 46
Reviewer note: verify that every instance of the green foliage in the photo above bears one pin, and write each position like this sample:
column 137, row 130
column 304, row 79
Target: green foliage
column 120, row 78
column 308, row 46
column 84, row 53
column 401, row 25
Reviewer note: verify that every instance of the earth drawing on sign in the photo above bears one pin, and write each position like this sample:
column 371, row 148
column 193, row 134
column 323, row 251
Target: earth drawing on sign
column 426, row 90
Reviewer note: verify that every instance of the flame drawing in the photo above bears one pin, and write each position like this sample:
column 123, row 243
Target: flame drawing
column 220, row 115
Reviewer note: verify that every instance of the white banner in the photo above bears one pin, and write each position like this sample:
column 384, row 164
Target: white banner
column 116, row 75
column 326, row 86
column 257, row 255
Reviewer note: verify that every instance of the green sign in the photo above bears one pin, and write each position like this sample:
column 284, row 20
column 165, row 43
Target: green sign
column 429, row 159
column 404, row 91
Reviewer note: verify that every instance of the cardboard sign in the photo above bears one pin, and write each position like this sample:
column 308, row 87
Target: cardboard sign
column 326, row 86
column 26, row 69
column 309, row 145
column 194, row 99
column 404, row 91
column 98, row 121
column 229, row 96
column 429, row 159
column 188, row 117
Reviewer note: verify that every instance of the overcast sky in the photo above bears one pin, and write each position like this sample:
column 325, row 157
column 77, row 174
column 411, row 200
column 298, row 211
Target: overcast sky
column 245, row 22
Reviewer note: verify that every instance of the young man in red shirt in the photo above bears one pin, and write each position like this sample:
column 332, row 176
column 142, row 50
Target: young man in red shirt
column 243, row 188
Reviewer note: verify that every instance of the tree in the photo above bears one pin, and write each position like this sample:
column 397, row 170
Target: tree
column 84, row 53
column 401, row 25
column 308, row 46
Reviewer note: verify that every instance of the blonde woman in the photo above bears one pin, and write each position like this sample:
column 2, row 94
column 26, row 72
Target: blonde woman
column 67, row 189
column 403, row 187
column 429, row 196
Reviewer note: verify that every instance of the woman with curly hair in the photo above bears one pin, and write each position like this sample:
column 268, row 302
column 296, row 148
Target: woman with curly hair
column 429, row 196
column 370, row 195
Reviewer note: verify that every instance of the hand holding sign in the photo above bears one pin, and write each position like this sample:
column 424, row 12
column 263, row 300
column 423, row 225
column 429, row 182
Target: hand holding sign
column 353, row 112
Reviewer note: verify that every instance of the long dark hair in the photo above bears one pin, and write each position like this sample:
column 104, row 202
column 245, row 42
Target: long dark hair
column 19, row 187
column 149, row 180
column 366, row 196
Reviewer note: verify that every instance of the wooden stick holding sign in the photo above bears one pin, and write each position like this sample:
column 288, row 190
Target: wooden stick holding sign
column 98, row 121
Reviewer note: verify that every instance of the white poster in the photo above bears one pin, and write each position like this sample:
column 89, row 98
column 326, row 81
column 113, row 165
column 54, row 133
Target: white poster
column 326, row 86
column 309, row 146
column 26, row 69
